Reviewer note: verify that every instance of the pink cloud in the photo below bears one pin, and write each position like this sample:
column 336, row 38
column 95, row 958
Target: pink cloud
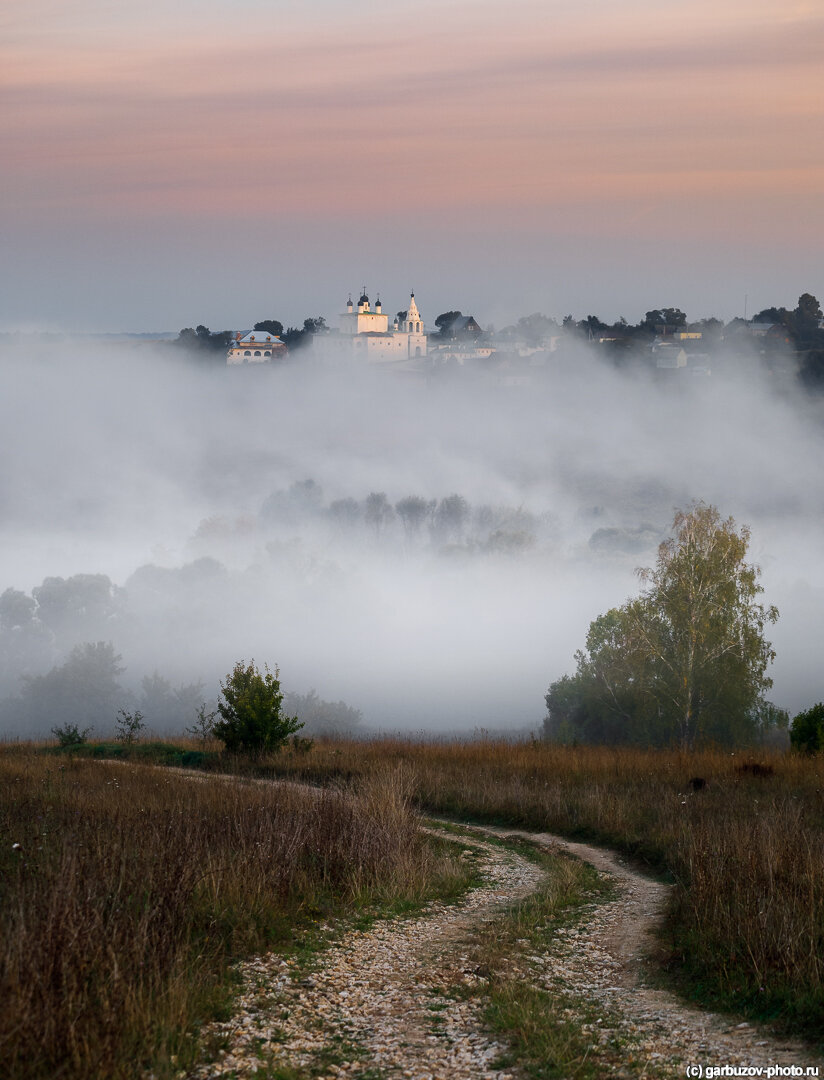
column 544, row 125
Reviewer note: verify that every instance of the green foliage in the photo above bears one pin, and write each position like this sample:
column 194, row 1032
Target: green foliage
column 663, row 317
column 685, row 662
column 270, row 326
column 70, row 735
column 445, row 320
column 145, row 753
column 807, row 731
column 251, row 711
column 202, row 341
column 129, row 725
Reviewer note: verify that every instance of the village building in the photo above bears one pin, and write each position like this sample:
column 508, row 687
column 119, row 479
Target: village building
column 255, row 347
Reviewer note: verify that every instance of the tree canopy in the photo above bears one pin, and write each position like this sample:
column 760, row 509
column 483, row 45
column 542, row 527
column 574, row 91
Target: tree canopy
column 269, row 326
column 251, row 713
column 685, row 663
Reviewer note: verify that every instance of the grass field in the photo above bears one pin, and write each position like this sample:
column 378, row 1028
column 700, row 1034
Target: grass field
column 126, row 892
column 745, row 850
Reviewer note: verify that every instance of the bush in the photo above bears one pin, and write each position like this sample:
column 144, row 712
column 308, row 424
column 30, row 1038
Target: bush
column 70, row 735
column 204, row 726
column 251, row 711
column 807, row 731
column 129, row 725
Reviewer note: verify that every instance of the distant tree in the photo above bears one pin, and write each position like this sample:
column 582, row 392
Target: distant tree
column 772, row 315
column 805, row 323
column 83, row 690
column 811, row 370
column 16, row 610
column 344, row 512
column 445, row 320
column 509, row 542
column 807, row 731
column 293, row 337
column 303, row 500
column 535, row 328
column 252, row 720
column 413, row 512
column 663, row 318
column 321, row 717
column 808, row 310
column 314, row 326
column 81, row 606
column 378, row 511
column 202, row 341
column 709, row 328
column 166, row 705
column 569, row 323
column 300, row 337
column 269, row 326
column 26, row 644
column 592, row 325
column 674, row 316
column 450, row 517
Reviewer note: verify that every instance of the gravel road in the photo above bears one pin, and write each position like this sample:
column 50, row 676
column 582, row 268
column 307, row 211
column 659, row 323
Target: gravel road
column 375, row 1007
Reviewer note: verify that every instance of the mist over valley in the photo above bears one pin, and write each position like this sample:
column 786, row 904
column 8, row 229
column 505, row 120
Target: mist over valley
column 429, row 550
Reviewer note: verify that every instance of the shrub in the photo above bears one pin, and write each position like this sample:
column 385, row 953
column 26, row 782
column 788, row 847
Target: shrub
column 204, row 726
column 129, row 725
column 807, row 731
column 251, row 710
column 70, row 735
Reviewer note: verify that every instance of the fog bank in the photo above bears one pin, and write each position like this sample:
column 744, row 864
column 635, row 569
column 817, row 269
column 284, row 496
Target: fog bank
column 237, row 514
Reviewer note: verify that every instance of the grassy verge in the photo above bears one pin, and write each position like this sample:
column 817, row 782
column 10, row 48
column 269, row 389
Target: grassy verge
column 126, row 894
column 746, row 926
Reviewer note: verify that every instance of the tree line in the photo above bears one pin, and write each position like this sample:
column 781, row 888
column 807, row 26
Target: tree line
column 798, row 328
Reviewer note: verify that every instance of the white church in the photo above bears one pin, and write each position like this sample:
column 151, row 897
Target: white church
column 366, row 332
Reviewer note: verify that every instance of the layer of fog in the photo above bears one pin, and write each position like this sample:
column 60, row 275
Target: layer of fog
column 187, row 486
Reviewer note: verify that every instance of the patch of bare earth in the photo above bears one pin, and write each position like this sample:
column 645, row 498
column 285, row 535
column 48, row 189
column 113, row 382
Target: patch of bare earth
column 379, row 1003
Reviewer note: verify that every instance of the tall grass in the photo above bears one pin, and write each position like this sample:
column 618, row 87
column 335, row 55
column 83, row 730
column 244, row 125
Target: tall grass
column 125, row 892
column 746, row 851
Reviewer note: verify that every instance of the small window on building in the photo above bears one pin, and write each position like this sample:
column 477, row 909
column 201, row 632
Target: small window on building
column 247, row 353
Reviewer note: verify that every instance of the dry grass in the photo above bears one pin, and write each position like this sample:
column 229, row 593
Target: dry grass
column 746, row 851
column 132, row 888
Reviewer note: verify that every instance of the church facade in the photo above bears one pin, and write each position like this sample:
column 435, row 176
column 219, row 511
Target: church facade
column 368, row 333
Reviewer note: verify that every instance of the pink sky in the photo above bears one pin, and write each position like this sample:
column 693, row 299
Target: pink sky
column 160, row 167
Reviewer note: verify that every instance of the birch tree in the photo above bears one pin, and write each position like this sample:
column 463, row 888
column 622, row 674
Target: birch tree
column 700, row 627
column 686, row 661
